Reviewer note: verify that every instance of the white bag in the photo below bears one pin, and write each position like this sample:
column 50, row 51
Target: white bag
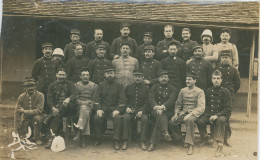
column 58, row 144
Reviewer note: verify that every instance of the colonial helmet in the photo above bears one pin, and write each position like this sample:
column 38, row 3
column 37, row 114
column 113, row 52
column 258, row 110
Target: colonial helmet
column 58, row 51
column 208, row 33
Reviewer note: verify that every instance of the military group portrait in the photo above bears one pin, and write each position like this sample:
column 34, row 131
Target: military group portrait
column 148, row 92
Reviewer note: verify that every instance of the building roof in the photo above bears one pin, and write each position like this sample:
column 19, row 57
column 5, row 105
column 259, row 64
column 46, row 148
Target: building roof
column 236, row 14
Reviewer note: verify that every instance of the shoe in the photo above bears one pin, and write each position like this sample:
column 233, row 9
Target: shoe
column 219, row 152
column 97, row 143
column 38, row 142
column 151, row 148
column 167, row 136
column 143, row 146
column 185, row 145
column 77, row 137
column 190, row 149
column 227, row 143
column 48, row 145
column 124, row 146
column 116, row 145
column 83, row 142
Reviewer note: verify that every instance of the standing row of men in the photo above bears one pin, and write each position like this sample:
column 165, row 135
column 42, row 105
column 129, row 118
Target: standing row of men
column 127, row 97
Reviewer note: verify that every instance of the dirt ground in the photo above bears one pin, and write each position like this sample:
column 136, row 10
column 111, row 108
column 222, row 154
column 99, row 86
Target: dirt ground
column 244, row 144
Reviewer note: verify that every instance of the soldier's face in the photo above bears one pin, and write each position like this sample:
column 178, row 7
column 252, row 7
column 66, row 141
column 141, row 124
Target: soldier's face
column 98, row 35
column 147, row 40
column 190, row 81
column 78, row 50
column 164, row 79
column 216, row 80
column 61, row 76
column 30, row 88
column 149, row 54
column 75, row 38
column 224, row 37
column 47, row 52
column 198, row 53
column 173, row 50
column 101, row 52
column 185, row 35
column 58, row 58
column 125, row 31
column 84, row 76
column 206, row 39
column 109, row 75
column 138, row 78
column 168, row 32
column 125, row 50
column 225, row 60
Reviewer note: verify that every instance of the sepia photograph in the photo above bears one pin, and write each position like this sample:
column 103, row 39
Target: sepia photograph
column 129, row 79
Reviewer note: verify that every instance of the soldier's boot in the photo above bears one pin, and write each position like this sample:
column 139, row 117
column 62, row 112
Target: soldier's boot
column 227, row 142
column 124, row 146
column 151, row 148
column 204, row 141
column 190, row 149
column 37, row 133
column 83, row 141
column 77, row 137
column 97, row 142
column 116, row 145
column 48, row 145
column 143, row 146
column 219, row 151
column 167, row 136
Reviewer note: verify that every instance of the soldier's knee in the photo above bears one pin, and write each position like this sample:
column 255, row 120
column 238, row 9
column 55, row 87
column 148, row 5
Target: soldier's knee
column 222, row 119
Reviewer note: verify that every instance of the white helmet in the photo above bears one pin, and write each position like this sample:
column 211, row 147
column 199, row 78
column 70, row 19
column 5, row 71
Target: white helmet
column 208, row 33
column 58, row 51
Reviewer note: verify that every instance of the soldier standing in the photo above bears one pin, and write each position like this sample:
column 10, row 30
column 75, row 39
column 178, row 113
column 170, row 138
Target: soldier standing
column 175, row 66
column 109, row 102
column 150, row 67
column 162, row 46
column 217, row 112
column 98, row 65
column 161, row 98
column 201, row 68
column 76, row 63
column 188, row 107
column 69, row 48
column 58, row 55
column 92, row 46
column 140, row 55
column 137, row 109
column 115, row 50
column 28, row 111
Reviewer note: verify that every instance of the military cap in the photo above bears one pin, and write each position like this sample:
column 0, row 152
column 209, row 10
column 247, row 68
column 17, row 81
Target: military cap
column 84, row 69
column 109, row 69
column 225, row 30
column 163, row 72
column 191, row 74
column 149, row 47
column 124, row 43
column 125, row 24
column 74, row 31
column 217, row 73
column 225, row 53
column 29, row 81
column 197, row 46
column 61, row 69
column 137, row 72
column 47, row 44
column 173, row 43
column 101, row 45
column 149, row 34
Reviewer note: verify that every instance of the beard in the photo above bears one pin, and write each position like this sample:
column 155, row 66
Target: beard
column 110, row 79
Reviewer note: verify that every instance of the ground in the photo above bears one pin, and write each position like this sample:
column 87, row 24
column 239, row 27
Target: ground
column 244, row 144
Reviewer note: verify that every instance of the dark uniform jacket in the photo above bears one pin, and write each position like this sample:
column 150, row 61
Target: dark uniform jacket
column 177, row 71
column 163, row 45
column 69, row 51
column 73, row 67
column 97, row 67
column 140, row 53
column 230, row 78
column 55, row 90
column 186, row 49
column 218, row 102
column 116, row 44
column 203, row 70
column 151, row 69
column 163, row 95
column 137, row 97
column 92, row 46
column 44, row 72
column 110, row 96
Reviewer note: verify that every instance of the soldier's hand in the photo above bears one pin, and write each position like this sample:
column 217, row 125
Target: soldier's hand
column 66, row 101
column 159, row 111
column 115, row 112
column 187, row 117
column 175, row 117
column 139, row 114
column 20, row 109
column 129, row 110
column 100, row 113
column 188, row 61
column 146, row 82
column 165, row 51
column 213, row 118
column 156, row 107
column 55, row 111
column 116, row 56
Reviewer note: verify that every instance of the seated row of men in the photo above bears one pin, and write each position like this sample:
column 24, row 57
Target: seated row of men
column 163, row 104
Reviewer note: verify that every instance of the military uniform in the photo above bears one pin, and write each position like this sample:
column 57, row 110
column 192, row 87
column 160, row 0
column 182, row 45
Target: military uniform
column 110, row 96
column 116, row 45
column 203, row 70
column 176, row 68
column 92, row 46
column 163, row 45
column 140, row 53
column 166, row 95
column 73, row 67
column 97, row 67
column 69, row 51
column 218, row 102
column 136, row 99
column 151, row 69
column 189, row 101
column 186, row 47
column 57, row 93
column 210, row 54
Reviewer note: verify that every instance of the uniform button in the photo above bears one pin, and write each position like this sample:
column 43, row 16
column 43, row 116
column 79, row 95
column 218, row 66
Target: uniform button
column 211, row 105
column 211, row 110
column 211, row 100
